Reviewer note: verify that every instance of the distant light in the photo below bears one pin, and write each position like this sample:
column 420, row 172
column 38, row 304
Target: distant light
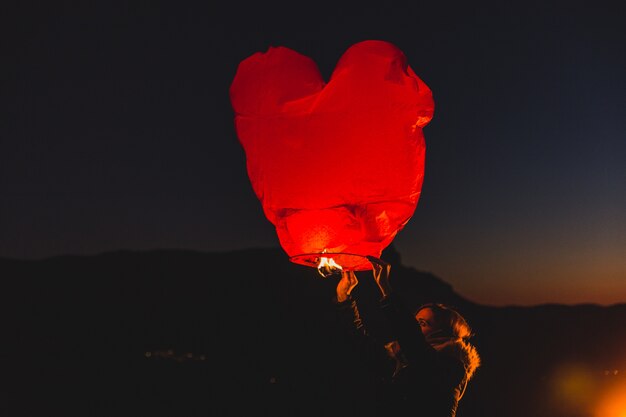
column 148, row 354
column 612, row 402
column 573, row 387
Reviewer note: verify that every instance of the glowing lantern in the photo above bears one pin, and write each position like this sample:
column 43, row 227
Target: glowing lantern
column 338, row 166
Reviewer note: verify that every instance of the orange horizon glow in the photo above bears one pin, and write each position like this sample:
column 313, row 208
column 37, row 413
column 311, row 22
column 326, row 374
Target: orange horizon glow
column 517, row 273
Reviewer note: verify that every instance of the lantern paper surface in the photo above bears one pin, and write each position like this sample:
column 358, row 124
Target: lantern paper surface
column 337, row 166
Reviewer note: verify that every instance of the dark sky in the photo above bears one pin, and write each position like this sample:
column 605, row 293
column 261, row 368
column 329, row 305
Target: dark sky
column 117, row 133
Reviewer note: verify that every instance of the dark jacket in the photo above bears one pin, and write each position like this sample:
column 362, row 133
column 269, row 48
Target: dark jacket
column 413, row 378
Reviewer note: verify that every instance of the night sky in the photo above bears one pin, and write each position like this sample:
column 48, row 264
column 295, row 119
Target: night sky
column 117, row 133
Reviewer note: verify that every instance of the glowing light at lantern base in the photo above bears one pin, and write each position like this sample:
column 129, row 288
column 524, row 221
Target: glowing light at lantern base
column 328, row 263
column 328, row 267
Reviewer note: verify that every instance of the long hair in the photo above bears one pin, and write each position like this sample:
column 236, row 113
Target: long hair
column 453, row 330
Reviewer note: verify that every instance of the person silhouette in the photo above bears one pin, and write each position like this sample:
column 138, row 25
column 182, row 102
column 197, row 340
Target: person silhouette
column 423, row 362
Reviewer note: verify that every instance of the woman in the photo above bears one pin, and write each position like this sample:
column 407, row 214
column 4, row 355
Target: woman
column 423, row 363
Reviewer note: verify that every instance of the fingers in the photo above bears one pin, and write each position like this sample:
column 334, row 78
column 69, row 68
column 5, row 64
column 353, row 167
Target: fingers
column 373, row 260
column 346, row 284
column 352, row 279
column 348, row 277
column 343, row 287
column 381, row 271
column 377, row 262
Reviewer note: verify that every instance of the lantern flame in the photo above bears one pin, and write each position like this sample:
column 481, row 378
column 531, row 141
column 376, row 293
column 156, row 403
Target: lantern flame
column 327, row 267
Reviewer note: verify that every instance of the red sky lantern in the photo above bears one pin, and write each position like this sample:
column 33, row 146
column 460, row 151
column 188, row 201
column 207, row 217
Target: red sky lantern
column 338, row 167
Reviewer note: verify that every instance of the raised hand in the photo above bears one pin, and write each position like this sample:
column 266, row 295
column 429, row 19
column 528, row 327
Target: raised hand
column 346, row 284
column 381, row 270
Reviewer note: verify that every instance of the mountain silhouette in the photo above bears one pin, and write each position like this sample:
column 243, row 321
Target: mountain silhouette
column 187, row 333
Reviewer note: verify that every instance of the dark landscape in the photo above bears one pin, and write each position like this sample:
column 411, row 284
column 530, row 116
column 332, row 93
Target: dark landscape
column 248, row 333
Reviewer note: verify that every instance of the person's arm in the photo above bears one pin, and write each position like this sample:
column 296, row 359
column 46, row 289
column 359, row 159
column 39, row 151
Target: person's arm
column 402, row 325
column 370, row 352
column 348, row 314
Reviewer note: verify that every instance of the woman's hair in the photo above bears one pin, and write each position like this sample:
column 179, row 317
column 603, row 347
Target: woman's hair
column 451, row 322
column 455, row 329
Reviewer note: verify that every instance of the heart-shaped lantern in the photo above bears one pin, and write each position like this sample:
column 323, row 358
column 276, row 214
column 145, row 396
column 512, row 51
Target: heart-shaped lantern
column 338, row 166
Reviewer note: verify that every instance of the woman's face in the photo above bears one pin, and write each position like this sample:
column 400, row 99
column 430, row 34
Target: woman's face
column 426, row 319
